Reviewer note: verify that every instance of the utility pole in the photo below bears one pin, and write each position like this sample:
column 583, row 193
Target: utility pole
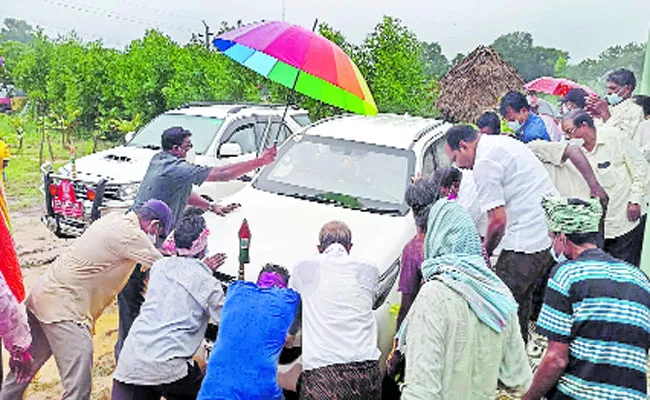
column 206, row 36
column 284, row 10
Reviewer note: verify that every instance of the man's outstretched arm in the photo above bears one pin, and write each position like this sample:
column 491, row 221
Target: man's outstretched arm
column 234, row 171
column 578, row 158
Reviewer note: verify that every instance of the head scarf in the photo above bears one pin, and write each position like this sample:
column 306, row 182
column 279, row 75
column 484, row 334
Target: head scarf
column 269, row 279
column 454, row 256
column 564, row 215
column 198, row 245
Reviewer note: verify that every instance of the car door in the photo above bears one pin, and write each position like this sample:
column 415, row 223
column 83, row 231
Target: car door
column 248, row 134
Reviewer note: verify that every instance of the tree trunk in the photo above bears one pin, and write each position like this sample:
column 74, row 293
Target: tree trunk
column 40, row 152
column 49, row 147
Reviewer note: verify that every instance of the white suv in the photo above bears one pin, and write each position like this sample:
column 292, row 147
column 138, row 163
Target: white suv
column 350, row 168
column 222, row 134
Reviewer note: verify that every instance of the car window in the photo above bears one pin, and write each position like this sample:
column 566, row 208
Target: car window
column 435, row 158
column 277, row 133
column 245, row 137
column 302, row 119
column 203, row 129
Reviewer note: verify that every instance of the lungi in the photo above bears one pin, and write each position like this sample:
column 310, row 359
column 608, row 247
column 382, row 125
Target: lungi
column 353, row 381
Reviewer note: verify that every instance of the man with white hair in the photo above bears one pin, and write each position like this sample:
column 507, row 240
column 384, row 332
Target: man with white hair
column 339, row 348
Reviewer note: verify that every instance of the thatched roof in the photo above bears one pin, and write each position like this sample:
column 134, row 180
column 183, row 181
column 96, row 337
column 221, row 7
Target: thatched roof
column 476, row 85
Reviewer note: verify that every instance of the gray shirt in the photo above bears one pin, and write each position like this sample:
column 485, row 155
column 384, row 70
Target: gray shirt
column 181, row 298
column 170, row 179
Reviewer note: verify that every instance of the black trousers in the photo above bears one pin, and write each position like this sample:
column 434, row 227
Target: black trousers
column 129, row 302
column 526, row 275
column 183, row 389
column 628, row 247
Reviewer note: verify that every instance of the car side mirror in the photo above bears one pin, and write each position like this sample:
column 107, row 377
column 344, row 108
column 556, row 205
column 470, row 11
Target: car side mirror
column 228, row 150
column 129, row 136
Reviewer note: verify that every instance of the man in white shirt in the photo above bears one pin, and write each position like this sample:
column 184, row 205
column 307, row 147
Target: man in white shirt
column 339, row 346
column 510, row 182
column 618, row 109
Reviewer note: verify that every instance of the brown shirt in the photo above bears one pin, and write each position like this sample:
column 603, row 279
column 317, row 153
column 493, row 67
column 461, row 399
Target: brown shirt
column 84, row 280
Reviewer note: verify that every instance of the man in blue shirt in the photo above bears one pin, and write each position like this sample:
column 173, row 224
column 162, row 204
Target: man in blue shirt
column 595, row 314
column 526, row 125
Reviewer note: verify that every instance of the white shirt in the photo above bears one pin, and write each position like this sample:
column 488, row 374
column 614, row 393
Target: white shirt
column 508, row 174
column 468, row 199
column 338, row 323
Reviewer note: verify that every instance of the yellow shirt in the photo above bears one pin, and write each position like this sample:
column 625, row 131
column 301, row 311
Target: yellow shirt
column 564, row 175
column 622, row 171
column 86, row 279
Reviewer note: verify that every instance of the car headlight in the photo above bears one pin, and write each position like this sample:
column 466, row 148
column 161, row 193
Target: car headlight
column 128, row 192
column 386, row 282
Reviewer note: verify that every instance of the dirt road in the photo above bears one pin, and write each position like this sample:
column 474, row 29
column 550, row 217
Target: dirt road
column 37, row 248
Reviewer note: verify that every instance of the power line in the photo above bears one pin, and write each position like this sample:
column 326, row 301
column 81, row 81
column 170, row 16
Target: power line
column 168, row 13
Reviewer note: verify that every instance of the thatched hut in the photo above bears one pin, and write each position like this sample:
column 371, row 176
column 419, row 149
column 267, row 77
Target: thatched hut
column 476, row 85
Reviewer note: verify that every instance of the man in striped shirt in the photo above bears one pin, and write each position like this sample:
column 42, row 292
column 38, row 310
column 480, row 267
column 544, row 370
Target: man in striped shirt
column 596, row 314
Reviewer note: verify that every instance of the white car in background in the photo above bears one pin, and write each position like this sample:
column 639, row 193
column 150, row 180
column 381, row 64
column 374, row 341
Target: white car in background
column 350, row 168
column 222, row 134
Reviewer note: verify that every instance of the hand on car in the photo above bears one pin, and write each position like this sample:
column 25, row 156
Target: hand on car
column 215, row 261
column 633, row 212
column 223, row 210
column 21, row 363
column 268, row 156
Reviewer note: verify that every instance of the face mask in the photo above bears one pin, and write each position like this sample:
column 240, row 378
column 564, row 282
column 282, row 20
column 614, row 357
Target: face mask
column 190, row 156
column 557, row 257
column 152, row 237
column 614, row 99
column 514, row 125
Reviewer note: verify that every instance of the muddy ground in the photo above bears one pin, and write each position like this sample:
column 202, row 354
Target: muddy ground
column 37, row 248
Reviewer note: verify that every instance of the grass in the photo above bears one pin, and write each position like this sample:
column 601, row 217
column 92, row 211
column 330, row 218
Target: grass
column 23, row 175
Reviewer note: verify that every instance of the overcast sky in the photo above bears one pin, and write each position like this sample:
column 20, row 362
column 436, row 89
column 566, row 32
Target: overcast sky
column 584, row 28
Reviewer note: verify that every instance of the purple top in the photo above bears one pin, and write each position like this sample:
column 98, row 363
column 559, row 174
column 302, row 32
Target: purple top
column 412, row 256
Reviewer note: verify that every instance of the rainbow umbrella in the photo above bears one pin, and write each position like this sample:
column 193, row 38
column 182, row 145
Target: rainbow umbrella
column 297, row 58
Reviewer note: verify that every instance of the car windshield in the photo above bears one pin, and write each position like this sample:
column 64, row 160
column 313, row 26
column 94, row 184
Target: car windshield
column 350, row 174
column 203, row 130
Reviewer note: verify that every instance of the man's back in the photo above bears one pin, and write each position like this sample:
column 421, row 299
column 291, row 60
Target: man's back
column 253, row 327
column 508, row 174
column 601, row 306
column 337, row 293
column 88, row 275
column 453, row 355
column 182, row 295
column 564, row 175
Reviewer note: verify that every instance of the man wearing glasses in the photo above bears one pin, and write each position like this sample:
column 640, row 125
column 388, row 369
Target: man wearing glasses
column 170, row 178
column 622, row 171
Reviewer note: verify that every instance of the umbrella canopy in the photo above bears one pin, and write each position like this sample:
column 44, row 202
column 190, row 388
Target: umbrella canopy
column 555, row 86
column 293, row 56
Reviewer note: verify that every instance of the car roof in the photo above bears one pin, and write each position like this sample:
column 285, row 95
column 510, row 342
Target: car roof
column 391, row 130
column 225, row 110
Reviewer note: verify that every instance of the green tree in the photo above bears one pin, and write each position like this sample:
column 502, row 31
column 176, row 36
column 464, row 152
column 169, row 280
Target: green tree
column 593, row 71
column 16, row 30
column 437, row 63
column 458, row 59
column 561, row 68
column 530, row 61
column 392, row 61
